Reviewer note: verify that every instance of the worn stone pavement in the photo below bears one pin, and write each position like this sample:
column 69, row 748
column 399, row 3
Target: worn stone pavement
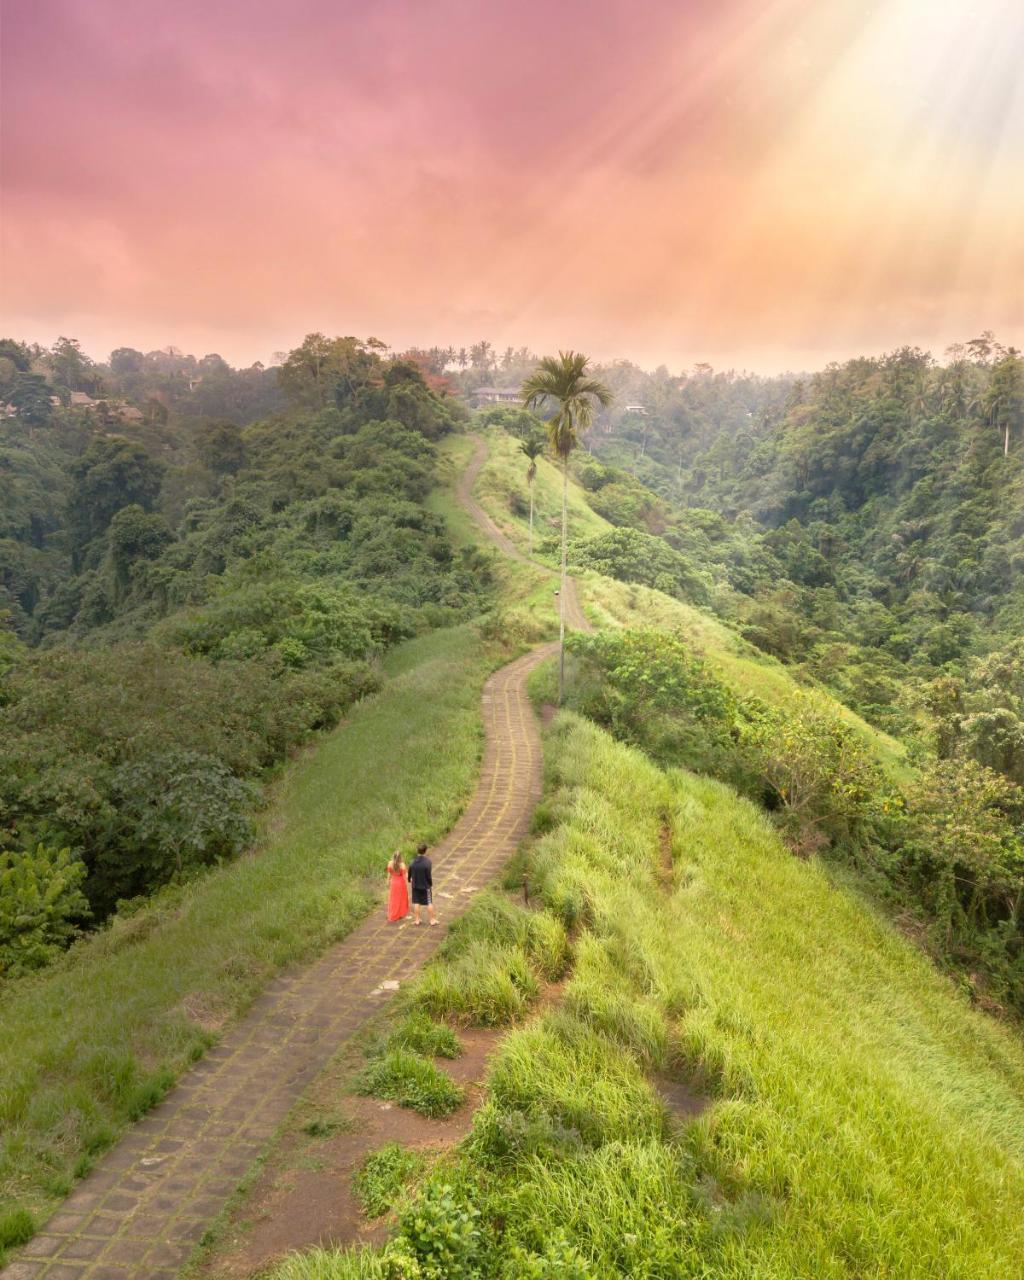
column 146, row 1205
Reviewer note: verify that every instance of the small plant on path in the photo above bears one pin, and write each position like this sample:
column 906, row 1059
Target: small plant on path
column 412, row 1081
column 382, row 1176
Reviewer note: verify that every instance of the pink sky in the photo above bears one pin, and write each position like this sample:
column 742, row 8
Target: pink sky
column 760, row 183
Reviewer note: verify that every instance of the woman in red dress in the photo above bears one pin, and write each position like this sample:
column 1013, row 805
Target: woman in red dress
column 398, row 894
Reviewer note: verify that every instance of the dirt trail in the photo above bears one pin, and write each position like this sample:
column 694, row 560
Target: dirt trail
column 575, row 618
column 148, row 1202
column 467, row 481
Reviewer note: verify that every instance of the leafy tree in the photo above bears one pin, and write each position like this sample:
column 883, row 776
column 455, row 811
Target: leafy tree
column 134, row 535
column 220, row 447
column 1004, row 400
column 111, row 474
column 819, row 774
column 964, row 846
column 40, row 903
column 565, row 381
column 181, row 810
column 71, row 369
column 322, row 370
column 29, row 393
column 17, row 353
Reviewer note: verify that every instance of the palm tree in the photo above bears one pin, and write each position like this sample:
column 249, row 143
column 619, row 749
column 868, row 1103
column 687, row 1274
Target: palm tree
column 566, row 382
column 533, row 447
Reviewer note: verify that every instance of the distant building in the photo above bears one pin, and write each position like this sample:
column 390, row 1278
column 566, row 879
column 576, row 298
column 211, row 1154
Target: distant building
column 497, row 395
column 112, row 408
column 639, row 409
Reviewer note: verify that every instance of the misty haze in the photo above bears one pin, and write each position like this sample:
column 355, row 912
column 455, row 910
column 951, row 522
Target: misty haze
column 511, row 641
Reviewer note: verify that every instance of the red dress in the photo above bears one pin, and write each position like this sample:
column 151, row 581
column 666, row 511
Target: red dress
column 398, row 898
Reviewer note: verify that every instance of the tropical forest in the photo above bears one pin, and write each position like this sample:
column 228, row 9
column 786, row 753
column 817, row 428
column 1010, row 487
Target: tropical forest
column 511, row 640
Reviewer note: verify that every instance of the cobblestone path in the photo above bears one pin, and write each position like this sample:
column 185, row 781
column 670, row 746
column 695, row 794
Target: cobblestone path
column 147, row 1203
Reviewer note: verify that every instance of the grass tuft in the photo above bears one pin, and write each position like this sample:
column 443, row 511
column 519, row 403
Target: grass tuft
column 383, row 1175
column 16, row 1226
column 412, row 1081
column 419, row 1033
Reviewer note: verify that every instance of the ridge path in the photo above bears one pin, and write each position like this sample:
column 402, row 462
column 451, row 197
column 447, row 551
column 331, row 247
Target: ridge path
column 575, row 618
column 147, row 1203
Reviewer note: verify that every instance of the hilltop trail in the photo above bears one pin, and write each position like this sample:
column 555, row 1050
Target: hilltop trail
column 575, row 618
column 148, row 1202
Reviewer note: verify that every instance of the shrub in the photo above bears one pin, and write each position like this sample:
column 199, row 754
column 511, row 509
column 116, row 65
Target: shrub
column 40, row 900
column 818, row 772
column 962, row 852
column 632, row 556
column 443, row 1234
column 412, row 1081
column 651, row 689
column 383, row 1174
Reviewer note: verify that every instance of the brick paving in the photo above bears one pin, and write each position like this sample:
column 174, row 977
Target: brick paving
column 148, row 1202
column 146, row 1205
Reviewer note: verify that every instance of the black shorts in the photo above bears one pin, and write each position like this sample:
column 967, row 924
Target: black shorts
column 422, row 897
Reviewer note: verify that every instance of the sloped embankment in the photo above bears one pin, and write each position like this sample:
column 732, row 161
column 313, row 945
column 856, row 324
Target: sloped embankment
column 863, row 1120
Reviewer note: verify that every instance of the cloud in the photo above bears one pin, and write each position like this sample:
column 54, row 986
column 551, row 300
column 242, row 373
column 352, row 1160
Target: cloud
column 662, row 181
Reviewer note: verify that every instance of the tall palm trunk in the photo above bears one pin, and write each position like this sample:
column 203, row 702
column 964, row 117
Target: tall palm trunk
column 561, row 592
column 531, row 517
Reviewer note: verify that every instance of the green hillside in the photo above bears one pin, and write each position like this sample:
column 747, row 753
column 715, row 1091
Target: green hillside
column 800, row 909
column 857, row 1117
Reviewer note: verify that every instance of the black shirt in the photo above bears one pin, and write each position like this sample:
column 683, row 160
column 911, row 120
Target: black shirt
column 421, row 872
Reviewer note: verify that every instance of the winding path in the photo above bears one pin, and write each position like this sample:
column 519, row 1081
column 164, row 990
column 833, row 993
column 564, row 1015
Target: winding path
column 575, row 618
column 146, row 1205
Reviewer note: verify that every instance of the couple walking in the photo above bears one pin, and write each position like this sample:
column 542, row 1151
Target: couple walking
column 420, row 876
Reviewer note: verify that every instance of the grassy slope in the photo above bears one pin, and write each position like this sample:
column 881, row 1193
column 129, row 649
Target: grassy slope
column 863, row 1120
column 85, row 1045
column 504, row 473
column 526, row 589
column 739, row 663
column 617, row 604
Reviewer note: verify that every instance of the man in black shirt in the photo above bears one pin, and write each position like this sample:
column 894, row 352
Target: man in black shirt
column 421, row 878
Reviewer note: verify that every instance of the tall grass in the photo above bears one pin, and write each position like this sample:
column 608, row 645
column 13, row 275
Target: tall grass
column 88, row 1045
column 862, row 1119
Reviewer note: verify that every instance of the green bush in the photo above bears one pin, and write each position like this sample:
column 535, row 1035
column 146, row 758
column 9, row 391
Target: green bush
column 383, row 1175
column 40, row 906
column 443, row 1234
column 819, row 774
column 651, row 689
column 412, row 1081
column 633, row 556
column 303, row 622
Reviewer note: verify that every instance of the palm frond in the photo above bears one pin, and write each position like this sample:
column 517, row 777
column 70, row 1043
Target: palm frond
column 564, row 380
